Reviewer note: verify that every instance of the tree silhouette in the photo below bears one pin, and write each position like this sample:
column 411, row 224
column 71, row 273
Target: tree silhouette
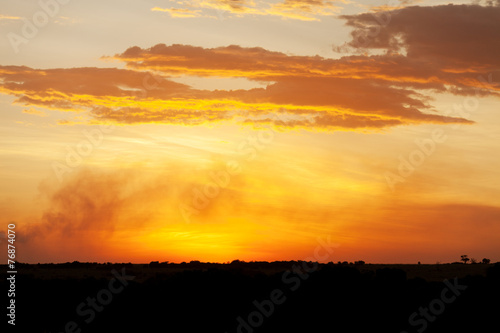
column 485, row 261
column 465, row 258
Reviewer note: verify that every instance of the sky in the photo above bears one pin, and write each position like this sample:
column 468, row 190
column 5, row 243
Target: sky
column 215, row 130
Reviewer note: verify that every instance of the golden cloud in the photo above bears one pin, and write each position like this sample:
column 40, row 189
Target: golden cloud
column 130, row 97
column 178, row 12
column 312, row 93
column 263, row 65
column 424, row 52
column 35, row 112
column 305, row 10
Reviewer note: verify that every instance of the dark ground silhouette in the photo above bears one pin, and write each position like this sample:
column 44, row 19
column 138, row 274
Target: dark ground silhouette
column 256, row 297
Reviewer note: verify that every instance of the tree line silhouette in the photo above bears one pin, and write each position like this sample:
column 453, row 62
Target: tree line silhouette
column 211, row 297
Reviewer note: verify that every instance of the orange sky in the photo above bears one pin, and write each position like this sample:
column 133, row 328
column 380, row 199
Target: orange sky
column 219, row 130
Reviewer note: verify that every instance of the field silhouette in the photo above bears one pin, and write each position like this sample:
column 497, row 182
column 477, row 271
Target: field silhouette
column 291, row 296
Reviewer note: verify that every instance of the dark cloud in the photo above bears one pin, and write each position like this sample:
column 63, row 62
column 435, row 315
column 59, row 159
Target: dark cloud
column 461, row 39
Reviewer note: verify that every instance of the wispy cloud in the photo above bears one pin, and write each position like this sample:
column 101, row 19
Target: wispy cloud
column 35, row 112
column 8, row 17
column 305, row 10
column 178, row 12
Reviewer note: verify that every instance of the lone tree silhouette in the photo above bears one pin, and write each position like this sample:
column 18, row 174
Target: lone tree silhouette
column 485, row 261
column 465, row 258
